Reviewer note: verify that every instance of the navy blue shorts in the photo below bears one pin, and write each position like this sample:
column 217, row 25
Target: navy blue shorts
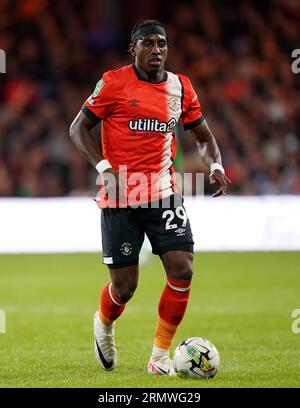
column 123, row 230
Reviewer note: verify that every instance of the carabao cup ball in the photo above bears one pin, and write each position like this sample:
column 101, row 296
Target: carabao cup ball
column 196, row 357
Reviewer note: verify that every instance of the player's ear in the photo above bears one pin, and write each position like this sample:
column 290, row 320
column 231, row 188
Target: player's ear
column 131, row 49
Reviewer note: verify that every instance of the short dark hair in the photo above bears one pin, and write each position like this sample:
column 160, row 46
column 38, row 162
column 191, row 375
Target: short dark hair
column 143, row 23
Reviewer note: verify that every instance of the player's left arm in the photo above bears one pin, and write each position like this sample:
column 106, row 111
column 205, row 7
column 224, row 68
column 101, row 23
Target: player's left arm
column 210, row 155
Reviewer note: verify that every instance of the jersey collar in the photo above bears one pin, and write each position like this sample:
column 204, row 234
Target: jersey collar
column 141, row 78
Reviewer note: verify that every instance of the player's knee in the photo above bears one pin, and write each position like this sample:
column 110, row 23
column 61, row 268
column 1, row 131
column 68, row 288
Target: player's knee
column 125, row 292
column 182, row 267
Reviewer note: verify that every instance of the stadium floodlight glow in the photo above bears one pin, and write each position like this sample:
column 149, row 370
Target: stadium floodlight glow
column 2, row 62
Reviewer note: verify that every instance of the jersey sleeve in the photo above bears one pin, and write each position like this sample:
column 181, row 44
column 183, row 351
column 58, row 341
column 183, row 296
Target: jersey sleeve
column 191, row 115
column 100, row 103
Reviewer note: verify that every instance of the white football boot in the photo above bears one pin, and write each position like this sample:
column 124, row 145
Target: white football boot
column 161, row 366
column 105, row 348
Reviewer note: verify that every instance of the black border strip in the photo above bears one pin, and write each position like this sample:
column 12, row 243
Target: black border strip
column 94, row 397
column 90, row 115
column 191, row 125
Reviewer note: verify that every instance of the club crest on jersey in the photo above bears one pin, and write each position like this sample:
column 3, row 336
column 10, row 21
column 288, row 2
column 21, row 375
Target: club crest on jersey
column 152, row 125
column 174, row 104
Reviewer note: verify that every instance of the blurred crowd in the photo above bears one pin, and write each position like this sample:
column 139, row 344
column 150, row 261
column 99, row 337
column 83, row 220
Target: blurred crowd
column 237, row 54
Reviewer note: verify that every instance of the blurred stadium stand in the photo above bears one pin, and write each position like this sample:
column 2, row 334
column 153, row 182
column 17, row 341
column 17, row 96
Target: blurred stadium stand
column 237, row 54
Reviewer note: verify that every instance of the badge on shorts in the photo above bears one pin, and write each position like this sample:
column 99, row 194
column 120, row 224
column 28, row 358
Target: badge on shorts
column 99, row 86
column 126, row 248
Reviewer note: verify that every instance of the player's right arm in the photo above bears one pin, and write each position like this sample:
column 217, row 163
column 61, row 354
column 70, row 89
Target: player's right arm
column 87, row 145
column 85, row 142
column 97, row 107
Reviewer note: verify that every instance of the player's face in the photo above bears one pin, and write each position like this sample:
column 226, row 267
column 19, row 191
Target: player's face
column 151, row 52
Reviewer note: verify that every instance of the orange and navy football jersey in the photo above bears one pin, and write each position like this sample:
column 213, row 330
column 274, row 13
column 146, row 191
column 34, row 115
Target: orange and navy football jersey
column 138, row 129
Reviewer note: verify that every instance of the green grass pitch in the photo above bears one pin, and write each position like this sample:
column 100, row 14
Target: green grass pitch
column 242, row 302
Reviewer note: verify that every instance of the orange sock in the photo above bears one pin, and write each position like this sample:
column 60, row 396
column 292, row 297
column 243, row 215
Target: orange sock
column 171, row 309
column 110, row 307
column 164, row 334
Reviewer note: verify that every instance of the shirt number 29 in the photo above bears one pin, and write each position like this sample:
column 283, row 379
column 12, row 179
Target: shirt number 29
column 170, row 215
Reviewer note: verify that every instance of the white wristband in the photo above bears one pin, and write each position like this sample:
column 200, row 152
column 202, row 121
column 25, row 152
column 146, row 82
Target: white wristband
column 216, row 166
column 103, row 165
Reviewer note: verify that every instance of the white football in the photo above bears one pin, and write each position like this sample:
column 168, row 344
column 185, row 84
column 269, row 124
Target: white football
column 196, row 357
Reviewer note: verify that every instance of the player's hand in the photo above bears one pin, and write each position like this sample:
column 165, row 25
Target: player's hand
column 114, row 185
column 218, row 177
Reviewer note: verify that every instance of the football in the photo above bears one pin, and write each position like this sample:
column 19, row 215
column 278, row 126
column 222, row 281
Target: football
column 196, row 357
